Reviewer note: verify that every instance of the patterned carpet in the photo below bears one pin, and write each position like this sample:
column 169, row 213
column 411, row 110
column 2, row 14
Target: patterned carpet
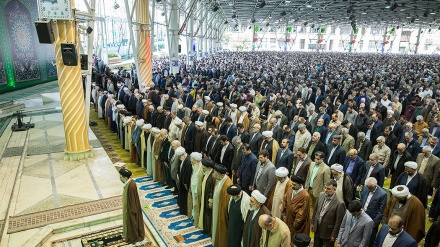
column 112, row 146
column 39, row 219
column 160, row 207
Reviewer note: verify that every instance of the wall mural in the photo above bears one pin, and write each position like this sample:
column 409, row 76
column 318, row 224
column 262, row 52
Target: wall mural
column 21, row 38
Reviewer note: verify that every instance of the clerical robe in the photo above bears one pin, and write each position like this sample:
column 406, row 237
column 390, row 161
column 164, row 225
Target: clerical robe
column 206, row 192
column 277, row 196
column 251, row 229
column 127, row 135
column 158, row 174
column 149, row 161
column 220, row 212
column 272, row 146
column 237, row 215
column 136, row 140
column 412, row 213
column 132, row 220
column 194, row 204
column 184, row 183
column 134, row 158
column 297, row 211
column 144, row 138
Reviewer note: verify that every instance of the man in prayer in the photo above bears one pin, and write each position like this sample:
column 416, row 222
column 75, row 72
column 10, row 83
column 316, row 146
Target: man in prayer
column 356, row 227
column 345, row 184
column 265, row 174
column 409, row 208
column 220, row 202
column 206, row 193
column 237, row 211
column 276, row 197
column 184, row 177
column 270, row 144
column 295, row 209
column 393, row 234
column 251, row 229
column 132, row 220
column 275, row 232
column 196, row 176
column 415, row 182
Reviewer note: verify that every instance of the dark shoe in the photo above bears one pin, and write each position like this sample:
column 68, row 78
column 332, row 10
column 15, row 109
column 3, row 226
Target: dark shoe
column 168, row 187
column 175, row 193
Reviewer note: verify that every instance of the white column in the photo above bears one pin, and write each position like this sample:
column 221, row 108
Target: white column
column 174, row 37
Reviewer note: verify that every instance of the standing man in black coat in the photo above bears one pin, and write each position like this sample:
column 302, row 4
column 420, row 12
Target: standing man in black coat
column 396, row 164
column 226, row 154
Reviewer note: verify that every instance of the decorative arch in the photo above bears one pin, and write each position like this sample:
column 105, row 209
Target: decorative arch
column 22, row 41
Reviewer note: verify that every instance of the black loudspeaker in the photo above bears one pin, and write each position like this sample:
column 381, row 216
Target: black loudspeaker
column 84, row 62
column 44, row 32
column 68, row 52
column 180, row 48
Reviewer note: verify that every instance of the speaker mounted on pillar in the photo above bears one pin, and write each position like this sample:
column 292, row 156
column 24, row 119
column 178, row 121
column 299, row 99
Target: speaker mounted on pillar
column 68, row 52
column 44, row 32
column 180, row 48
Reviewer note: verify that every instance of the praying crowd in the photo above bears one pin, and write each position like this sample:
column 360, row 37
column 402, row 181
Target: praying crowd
column 265, row 148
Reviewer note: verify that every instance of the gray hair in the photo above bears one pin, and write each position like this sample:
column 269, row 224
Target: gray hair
column 344, row 131
column 301, row 126
column 435, row 138
column 361, row 134
column 371, row 181
column 236, row 139
column 375, row 155
column 381, row 138
column 427, row 148
column 409, row 124
column 419, row 117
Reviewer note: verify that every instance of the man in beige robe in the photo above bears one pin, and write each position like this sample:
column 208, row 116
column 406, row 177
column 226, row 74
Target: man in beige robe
column 196, row 176
column 281, row 187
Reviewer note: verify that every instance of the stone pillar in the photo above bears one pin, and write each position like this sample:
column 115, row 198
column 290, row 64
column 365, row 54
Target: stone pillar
column 418, row 40
column 144, row 49
column 190, row 43
column 384, row 39
column 174, row 38
column 72, row 104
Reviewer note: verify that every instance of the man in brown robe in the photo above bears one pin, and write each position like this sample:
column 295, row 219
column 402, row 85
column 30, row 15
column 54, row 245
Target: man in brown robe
column 220, row 202
column 296, row 207
column 206, row 193
column 409, row 208
column 251, row 230
column 200, row 138
column 133, row 223
column 159, row 175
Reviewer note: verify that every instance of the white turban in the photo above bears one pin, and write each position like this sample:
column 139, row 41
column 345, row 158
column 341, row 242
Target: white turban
column 258, row 196
column 199, row 123
column 155, row 130
column 127, row 119
column 120, row 106
column 233, row 105
column 144, row 100
column 337, row 167
column 205, row 112
column 400, row 191
column 207, row 98
column 180, row 107
column 219, row 104
column 147, row 126
column 178, row 121
column 179, row 151
column 267, row 133
column 197, row 156
column 390, row 111
column 411, row 164
column 242, row 108
column 126, row 89
column 282, row 172
column 140, row 122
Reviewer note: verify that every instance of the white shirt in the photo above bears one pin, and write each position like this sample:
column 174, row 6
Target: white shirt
column 370, row 170
column 370, row 195
column 240, row 120
column 389, row 240
column 410, row 178
column 223, row 152
column 300, row 162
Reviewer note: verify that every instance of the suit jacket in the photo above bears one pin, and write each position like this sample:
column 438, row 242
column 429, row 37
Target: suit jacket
column 431, row 168
column 404, row 239
column 358, row 169
column 357, row 235
column 231, row 132
column 227, row 157
column 436, row 133
column 286, row 160
column 264, row 181
column 321, row 177
column 255, row 143
column 376, row 205
column 348, row 143
column 236, row 160
column 216, row 148
column 413, row 148
column 400, row 168
column 391, row 142
column 245, row 137
column 365, row 151
column 320, row 146
column 189, row 138
column 398, row 131
column 337, row 157
column 277, row 134
column 378, row 172
column 332, row 218
column 304, row 169
column 246, row 172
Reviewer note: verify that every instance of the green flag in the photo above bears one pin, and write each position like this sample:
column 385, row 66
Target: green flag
column 323, row 30
column 289, row 29
column 356, row 31
column 256, row 28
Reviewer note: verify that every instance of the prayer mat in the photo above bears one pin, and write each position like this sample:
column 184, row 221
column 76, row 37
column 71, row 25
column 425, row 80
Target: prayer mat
column 160, row 207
